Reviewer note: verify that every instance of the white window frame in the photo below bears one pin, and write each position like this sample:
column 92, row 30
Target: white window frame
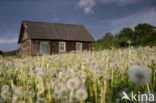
column 78, row 43
column 60, row 43
column 41, row 47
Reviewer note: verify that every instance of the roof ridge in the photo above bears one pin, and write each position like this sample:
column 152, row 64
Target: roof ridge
column 50, row 23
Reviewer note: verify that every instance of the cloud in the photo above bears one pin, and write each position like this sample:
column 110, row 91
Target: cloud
column 87, row 5
column 56, row 19
column 8, row 41
column 121, row 2
column 147, row 16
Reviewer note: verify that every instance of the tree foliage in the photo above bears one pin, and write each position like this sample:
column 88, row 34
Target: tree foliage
column 1, row 52
column 142, row 35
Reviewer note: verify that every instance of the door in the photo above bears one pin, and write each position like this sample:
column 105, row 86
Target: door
column 44, row 48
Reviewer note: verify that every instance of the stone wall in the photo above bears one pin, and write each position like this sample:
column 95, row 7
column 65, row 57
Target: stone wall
column 36, row 47
column 25, row 48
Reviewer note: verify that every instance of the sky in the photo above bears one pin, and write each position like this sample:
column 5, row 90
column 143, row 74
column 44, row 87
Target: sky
column 98, row 16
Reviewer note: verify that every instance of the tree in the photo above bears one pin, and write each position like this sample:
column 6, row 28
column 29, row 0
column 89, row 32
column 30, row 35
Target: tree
column 125, row 35
column 108, row 36
column 143, row 34
column 1, row 52
column 150, row 39
column 126, row 32
column 141, row 30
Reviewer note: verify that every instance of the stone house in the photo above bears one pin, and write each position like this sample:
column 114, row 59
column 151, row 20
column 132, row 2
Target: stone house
column 41, row 38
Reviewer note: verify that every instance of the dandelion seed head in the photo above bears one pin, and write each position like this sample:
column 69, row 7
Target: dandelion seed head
column 14, row 99
column 40, row 86
column 30, row 93
column 5, row 87
column 5, row 95
column 139, row 75
column 59, row 88
column 8, row 64
column 19, row 90
column 81, row 94
column 73, row 83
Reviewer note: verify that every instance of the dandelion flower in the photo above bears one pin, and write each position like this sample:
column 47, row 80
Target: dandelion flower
column 9, row 64
column 72, row 83
column 30, row 93
column 14, row 99
column 40, row 87
column 81, row 94
column 139, row 75
column 5, row 88
column 5, row 95
column 59, row 89
column 18, row 90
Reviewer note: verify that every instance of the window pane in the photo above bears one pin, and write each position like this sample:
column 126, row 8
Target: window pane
column 44, row 48
column 78, row 46
column 62, row 46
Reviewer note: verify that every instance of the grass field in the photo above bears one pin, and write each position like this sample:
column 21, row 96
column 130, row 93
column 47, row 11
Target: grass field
column 84, row 77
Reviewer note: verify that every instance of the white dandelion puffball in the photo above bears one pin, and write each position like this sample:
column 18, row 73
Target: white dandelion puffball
column 73, row 83
column 5, row 87
column 139, row 75
column 5, row 95
column 59, row 88
column 81, row 94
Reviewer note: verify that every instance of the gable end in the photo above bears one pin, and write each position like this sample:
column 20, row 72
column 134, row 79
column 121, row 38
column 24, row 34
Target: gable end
column 23, row 34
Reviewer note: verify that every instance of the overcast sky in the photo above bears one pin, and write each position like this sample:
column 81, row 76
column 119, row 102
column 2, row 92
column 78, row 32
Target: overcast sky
column 98, row 16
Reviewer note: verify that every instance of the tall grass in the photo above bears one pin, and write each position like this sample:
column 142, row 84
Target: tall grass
column 84, row 77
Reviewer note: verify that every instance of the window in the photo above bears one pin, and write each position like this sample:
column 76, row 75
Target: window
column 62, row 46
column 78, row 46
column 44, row 48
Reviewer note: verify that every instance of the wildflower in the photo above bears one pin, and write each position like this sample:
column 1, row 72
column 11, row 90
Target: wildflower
column 14, row 99
column 139, row 75
column 5, row 87
column 37, row 70
column 19, row 90
column 5, row 95
column 70, row 71
column 40, row 74
column 8, row 64
column 72, row 83
column 115, row 65
column 40, row 87
column 81, row 94
column 30, row 93
column 59, row 88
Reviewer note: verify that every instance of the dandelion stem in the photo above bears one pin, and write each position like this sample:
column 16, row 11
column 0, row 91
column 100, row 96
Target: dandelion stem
column 148, row 88
column 71, row 94
column 105, row 88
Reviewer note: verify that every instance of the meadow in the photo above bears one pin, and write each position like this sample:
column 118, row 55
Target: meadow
column 79, row 77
